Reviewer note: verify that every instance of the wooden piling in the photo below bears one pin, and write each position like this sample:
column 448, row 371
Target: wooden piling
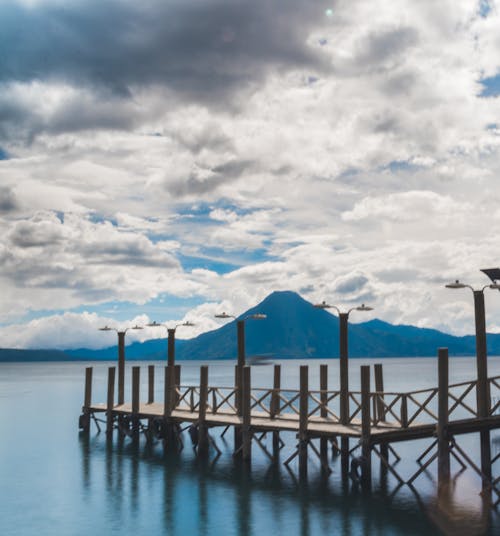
column 202, row 414
column 151, row 384
column 136, row 372
column 275, row 408
column 366, row 476
column 87, row 401
column 380, row 412
column 246, row 415
column 121, row 367
column 323, row 386
column 237, row 396
column 303, row 418
column 177, row 374
column 441, row 429
column 110, row 401
column 404, row 411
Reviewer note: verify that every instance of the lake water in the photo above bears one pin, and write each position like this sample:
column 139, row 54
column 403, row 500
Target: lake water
column 53, row 481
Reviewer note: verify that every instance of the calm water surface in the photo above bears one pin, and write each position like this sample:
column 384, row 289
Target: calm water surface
column 55, row 482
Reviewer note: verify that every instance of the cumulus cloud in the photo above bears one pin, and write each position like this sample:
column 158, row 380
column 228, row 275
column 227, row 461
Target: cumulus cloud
column 224, row 150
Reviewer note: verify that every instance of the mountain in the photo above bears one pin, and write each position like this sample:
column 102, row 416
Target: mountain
column 294, row 328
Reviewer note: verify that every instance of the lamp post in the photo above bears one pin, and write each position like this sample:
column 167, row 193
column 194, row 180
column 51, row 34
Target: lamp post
column 482, row 387
column 343, row 355
column 171, row 338
column 121, row 359
column 240, row 333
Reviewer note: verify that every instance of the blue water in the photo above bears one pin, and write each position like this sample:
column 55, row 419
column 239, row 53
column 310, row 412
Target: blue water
column 53, row 481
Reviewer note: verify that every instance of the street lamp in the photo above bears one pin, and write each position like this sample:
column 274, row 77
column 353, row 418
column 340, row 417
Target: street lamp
column 343, row 355
column 482, row 389
column 240, row 325
column 171, row 338
column 121, row 358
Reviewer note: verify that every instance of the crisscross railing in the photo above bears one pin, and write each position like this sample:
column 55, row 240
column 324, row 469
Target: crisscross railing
column 287, row 400
column 320, row 405
column 463, row 400
column 387, row 404
column 262, row 400
column 494, row 385
column 221, row 399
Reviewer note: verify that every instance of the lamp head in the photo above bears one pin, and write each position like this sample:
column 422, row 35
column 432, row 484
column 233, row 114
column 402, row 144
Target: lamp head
column 106, row 328
column 188, row 323
column 136, row 327
column 322, row 305
column 153, row 324
column 456, row 284
column 223, row 315
column 364, row 307
column 257, row 316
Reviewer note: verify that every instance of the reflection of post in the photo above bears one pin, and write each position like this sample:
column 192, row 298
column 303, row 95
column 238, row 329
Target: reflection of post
column 482, row 390
column 442, row 432
column 135, row 401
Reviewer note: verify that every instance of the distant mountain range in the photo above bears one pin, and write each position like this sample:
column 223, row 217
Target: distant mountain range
column 294, row 328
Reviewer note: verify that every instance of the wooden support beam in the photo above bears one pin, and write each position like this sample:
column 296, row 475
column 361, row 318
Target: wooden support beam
column 151, row 384
column 246, row 405
column 323, row 386
column 275, row 408
column 202, row 414
column 443, row 443
column 110, row 401
column 303, row 419
column 366, row 470
column 136, row 378
column 404, row 411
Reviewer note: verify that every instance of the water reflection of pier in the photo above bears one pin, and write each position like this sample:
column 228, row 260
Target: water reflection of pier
column 141, row 478
column 273, row 418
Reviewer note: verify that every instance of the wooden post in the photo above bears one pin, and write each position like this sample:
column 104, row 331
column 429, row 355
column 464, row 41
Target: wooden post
column 171, row 347
column 344, row 367
column 323, row 386
column 380, row 412
column 379, row 388
column 177, row 385
column 303, row 418
column 202, row 413
column 168, row 434
column 84, row 423
column 246, row 415
column 121, row 367
column 275, row 408
column 136, row 371
column 110, row 401
column 237, row 429
column 404, row 411
column 482, row 386
column 87, row 401
column 151, row 384
column 441, row 431
column 366, row 469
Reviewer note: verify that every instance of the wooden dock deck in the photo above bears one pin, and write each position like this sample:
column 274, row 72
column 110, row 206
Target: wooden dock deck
column 373, row 421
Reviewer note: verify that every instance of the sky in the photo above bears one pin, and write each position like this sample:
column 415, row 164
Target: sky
column 171, row 159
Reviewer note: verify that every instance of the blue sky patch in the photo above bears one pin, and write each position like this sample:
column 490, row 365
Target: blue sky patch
column 491, row 86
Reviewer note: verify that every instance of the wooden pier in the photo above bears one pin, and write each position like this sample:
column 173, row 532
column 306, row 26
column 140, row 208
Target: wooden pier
column 375, row 420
